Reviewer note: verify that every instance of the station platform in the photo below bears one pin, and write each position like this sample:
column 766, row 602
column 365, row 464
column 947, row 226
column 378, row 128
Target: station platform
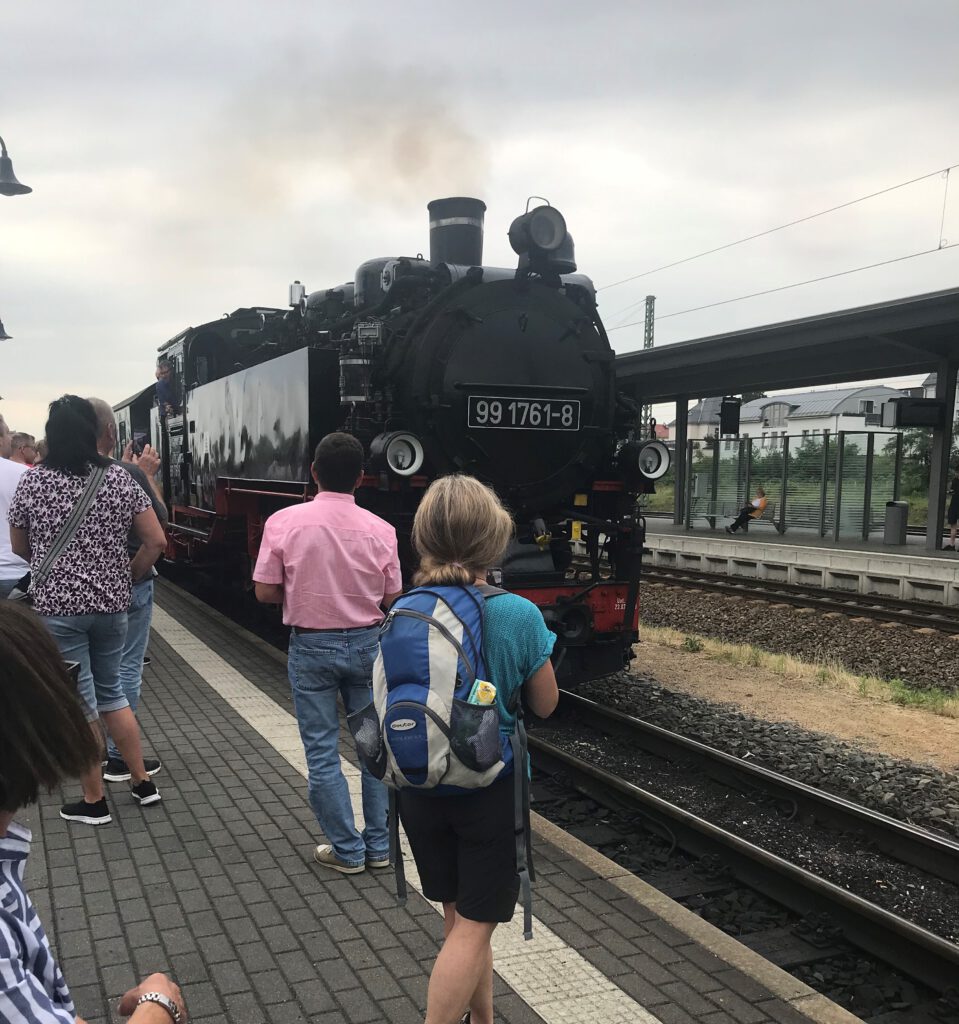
column 907, row 571
column 217, row 886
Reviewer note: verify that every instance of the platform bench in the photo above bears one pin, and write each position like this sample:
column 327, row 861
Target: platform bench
column 768, row 518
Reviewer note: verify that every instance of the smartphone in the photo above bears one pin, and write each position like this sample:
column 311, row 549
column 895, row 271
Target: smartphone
column 73, row 668
column 136, row 444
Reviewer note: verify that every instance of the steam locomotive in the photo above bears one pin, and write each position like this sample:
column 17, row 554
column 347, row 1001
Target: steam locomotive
column 437, row 365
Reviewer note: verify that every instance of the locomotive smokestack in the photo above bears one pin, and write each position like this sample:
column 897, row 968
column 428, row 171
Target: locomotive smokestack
column 456, row 231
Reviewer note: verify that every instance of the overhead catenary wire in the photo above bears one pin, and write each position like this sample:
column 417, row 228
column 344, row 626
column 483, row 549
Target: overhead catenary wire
column 773, row 230
column 795, row 284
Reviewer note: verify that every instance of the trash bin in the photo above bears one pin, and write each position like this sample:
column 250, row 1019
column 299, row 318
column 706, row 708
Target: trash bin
column 897, row 518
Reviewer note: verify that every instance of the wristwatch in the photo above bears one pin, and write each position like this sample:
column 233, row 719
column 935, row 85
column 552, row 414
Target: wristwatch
column 165, row 1001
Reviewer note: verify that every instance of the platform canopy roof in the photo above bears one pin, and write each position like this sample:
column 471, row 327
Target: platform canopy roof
column 888, row 339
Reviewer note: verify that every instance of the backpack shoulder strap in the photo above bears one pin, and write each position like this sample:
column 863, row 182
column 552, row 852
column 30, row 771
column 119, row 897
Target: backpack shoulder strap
column 487, row 590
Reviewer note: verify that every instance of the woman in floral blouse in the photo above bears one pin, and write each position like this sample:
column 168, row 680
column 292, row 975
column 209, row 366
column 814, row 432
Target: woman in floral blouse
column 83, row 600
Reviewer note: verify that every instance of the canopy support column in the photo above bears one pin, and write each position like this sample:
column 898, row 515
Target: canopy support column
column 941, row 447
column 679, row 453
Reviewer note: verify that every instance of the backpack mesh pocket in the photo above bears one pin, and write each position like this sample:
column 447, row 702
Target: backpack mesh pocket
column 365, row 726
column 474, row 735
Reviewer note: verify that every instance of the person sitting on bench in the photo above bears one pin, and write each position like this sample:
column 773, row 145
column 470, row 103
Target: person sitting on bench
column 753, row 510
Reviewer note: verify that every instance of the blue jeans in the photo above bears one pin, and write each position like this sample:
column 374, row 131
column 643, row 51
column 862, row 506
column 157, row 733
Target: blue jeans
column 5, row 587
column 96, row 642
column 139, row 615
column 321, row 665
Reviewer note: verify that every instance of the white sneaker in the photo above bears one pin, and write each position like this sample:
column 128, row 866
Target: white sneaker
column 324, row 855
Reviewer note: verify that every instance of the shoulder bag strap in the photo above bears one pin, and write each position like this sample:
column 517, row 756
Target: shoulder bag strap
column 70, row 527
column 521, row 797
column 396, row 851
column 521, row 822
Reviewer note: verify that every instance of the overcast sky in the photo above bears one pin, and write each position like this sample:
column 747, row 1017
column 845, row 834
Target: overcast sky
column 188, row 159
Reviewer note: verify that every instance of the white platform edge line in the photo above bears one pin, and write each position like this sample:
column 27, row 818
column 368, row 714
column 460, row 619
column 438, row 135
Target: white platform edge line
column 551, row 977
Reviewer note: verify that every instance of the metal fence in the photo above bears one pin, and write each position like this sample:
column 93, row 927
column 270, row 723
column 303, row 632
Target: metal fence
column 831, row 484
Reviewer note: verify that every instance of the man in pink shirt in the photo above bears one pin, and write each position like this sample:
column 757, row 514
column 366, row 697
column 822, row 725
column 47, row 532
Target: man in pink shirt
column 334, row 567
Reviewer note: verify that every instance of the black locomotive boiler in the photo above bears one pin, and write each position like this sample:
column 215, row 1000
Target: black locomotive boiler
column 437, row 365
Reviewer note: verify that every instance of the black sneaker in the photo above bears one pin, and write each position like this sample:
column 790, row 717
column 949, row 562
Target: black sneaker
column 116, row 770
column 145, row 793
column 147, row 660
column 88, row 814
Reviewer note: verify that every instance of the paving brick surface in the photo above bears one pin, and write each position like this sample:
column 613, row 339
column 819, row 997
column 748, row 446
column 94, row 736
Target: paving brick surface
column 217, row 886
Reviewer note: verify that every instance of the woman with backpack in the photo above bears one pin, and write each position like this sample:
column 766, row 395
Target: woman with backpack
column 464, row 843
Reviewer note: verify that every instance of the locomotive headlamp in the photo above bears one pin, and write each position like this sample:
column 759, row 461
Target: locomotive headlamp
column 653, row 460
column 401, row 452
column 542, row 229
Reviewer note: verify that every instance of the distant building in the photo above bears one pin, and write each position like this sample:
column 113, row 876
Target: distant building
column 800, row 414
column 701, row 421
column 928, row 390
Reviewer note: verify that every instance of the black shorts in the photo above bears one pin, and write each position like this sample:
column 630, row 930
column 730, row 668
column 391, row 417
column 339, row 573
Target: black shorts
column 952, row 516
column 465, row 849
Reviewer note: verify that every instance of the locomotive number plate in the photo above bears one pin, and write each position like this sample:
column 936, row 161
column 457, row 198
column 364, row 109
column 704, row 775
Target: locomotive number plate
column 487, row 412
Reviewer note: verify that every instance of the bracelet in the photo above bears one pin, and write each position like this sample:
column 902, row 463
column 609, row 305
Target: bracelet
column 165, row 1001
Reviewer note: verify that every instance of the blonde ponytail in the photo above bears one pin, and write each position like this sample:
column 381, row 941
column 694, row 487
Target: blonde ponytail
column 460, row 530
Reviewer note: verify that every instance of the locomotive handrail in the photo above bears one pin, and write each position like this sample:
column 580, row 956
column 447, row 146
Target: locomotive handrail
column 192, row 531
column 552, row 389
column 304, row 493
column 193, row 511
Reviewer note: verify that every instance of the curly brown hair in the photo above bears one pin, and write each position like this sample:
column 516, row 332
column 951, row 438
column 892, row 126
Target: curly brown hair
column 44, row 734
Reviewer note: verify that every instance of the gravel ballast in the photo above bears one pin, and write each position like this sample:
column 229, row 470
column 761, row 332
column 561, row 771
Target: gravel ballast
column 862, row 985
column 890, row 651
column 901, row 789
column 838, row 857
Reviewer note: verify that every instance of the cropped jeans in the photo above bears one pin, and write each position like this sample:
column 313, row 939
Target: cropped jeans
column 322, row 665
column 96, row 642
column 139, row 615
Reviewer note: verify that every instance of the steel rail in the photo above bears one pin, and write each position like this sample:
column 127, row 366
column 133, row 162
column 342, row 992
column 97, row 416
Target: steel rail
column 918, row 847
column 859, row 605
column 879, row 600
column 890, row 938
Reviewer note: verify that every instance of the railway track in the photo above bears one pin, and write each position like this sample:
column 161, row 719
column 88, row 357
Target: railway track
column 873, row 606
column 912, row 949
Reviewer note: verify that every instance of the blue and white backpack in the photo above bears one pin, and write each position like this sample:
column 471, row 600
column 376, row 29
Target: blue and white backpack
column 421, row 732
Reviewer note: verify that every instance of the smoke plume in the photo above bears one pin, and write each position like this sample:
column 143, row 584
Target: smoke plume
column 388, row 134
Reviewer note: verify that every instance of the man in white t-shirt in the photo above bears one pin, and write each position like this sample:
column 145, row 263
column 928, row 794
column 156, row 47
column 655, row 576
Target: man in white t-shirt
column 12, row 567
